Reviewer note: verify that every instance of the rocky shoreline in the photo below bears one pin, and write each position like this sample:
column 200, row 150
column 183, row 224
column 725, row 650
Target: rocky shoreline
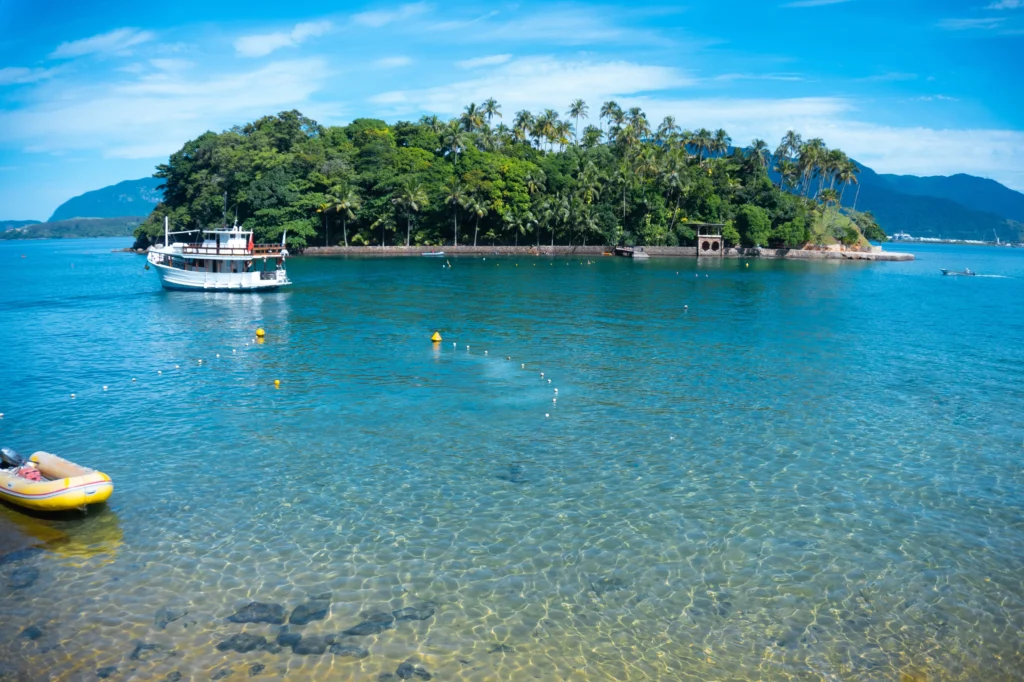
column 658, row 251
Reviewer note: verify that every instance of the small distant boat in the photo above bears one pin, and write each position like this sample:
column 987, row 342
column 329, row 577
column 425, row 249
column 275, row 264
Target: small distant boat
column 959, row 273
column 436, row 254
column 62, row 485
column 631, row 252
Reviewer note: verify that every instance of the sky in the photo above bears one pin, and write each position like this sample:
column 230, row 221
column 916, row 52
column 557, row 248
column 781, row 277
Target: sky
column 94, row 93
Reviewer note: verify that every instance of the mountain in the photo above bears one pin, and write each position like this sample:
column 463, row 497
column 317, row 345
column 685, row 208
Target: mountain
column 122, row 226
column 128, row 198
column 980, row 194
column 933, row 208
column 14, row 224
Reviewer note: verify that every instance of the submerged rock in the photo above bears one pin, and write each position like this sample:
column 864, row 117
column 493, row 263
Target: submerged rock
column 310, row 646
column 349, row 650
column 221, row 674
column 32, row 632
column 166, row 616
column 285, row 638
column 259, row 612
column 407, row 671
column 150, row 652
column 604, row 585
column 310, row 611
column 173, row 676
column 513, row 474
column 255, row 669
column 106, row 671
column 242, row 643
column 22, row 577
column 501, row 649
column 375, row 623
column 416, row 612
column 19, row 555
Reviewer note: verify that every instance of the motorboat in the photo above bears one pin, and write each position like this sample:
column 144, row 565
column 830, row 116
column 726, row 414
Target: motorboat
column 224, row 259
column 436, row 254
column 61, row 485
column 959, row 273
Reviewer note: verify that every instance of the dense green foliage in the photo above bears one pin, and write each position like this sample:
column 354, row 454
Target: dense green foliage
column 128, row 198
column 477, row 180
column 124, row 226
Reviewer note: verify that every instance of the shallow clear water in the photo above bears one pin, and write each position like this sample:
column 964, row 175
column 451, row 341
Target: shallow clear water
column 806, row 471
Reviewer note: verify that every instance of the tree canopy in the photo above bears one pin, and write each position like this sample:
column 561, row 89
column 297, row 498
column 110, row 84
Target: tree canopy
column 528, row 178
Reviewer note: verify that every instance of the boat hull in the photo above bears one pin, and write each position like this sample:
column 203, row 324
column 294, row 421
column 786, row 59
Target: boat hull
column 184, row 280
column 59, row 494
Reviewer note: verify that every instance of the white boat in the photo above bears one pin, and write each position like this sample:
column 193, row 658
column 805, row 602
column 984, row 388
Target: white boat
column 224, row 259
column 437, row 254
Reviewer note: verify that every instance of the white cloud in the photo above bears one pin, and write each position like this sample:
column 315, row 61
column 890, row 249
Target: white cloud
column 378, row 18
column 171, row 64
column 263, row 44
column 16, row 75
column 118, row 40
column 813, row 3
column 152, row 116
column 492, row 60
column 1006, row 4
column 537, row 83
column 392, row 62
column 987, row 23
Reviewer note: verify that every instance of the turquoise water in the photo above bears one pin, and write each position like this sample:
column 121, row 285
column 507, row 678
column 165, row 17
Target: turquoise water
column 806, row 471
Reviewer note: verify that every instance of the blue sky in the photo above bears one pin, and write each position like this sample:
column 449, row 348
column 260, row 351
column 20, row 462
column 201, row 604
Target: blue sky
column 91, row 94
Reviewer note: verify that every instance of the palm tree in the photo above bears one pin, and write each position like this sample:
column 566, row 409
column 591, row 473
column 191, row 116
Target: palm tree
column 522, row 125
column 759, row 151
column 608, row 110
column 578, row 109
column 490, row 108
column 455, row 196
column 703, row 141
column 433, row 122
column 323, row 208
column 592, row 136
column 789, row 145
column 410, row 198
column 788, row 172
column 846, row 175
column 674, row 177
column 454, row 139
column 472, row 118
column 385, row 221
column 477, row 207
column 345, row 203
column 721, row 142
column 668, row 129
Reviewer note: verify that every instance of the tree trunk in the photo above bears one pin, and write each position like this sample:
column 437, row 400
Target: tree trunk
column 344, row 229
column 408, row 229
column 327, row 237
column 383, row 228
column 455, row 220
column 476, row 230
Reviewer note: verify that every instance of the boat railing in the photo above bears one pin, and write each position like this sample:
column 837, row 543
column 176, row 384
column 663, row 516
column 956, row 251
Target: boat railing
column 257, row 250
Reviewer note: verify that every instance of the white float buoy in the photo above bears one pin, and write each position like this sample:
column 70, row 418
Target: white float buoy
column 556, row 390
column 542, row 375
column 200, row 362
column 133, row 380
column 549, row 381
column 453, row 344
column 1, row 415
column 104, row 388
column 159, row 371
column 232, row 350
column 485, row 352
column 546, row 414
column 218, row 355
column 176, row 367
column 72, row 396
column 522, row 366
column 554, row 400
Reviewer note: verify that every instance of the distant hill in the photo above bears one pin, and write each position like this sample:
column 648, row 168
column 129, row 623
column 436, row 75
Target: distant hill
column 122, row 226
column 933, row 215
column 980, row 194
column 12, row 224
column 128, row 198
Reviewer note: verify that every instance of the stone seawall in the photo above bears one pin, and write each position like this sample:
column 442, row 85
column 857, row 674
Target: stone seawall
column 657, row 251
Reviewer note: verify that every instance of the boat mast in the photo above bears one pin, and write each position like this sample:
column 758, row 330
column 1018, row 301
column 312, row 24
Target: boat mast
column 167, row 235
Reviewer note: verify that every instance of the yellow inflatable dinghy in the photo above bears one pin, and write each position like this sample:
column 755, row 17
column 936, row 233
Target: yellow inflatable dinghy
column 64, row 485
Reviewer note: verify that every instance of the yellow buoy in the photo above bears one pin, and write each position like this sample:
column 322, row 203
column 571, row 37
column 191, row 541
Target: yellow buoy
column 436, row 337
column 260, row 333
column 277, row 383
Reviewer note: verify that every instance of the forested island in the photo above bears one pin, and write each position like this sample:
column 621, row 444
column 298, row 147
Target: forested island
column 535, row 179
